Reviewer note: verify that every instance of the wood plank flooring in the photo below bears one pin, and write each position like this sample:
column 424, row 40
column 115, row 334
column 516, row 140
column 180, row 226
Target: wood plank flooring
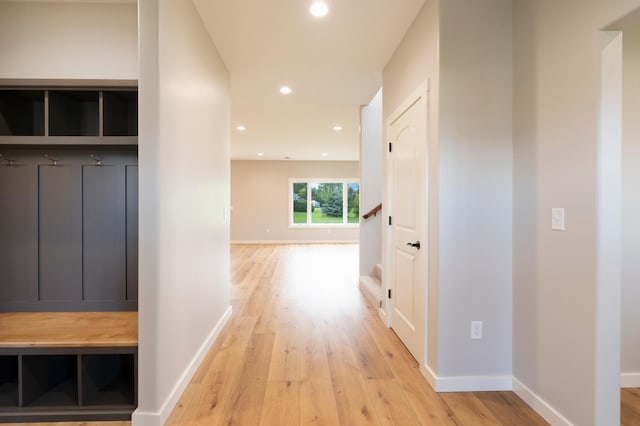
column 303, row 348
column 630, row 407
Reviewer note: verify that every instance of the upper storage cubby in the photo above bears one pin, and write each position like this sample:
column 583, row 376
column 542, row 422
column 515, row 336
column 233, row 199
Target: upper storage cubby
column 74, row 113
column 68, row 116
column 21, row 112
column 120, row 113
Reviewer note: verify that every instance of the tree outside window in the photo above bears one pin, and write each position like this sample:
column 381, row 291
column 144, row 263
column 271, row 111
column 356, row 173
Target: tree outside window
column 300, row 202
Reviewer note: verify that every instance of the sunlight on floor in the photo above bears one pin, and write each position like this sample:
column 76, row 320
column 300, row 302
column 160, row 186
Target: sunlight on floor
column 322, row 277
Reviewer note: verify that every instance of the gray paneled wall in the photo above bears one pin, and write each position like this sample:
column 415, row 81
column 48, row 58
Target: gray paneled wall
column 68, row 230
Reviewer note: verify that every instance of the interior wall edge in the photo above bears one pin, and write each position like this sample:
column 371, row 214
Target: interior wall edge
column 146, row 418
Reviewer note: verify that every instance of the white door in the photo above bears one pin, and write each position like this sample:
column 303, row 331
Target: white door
column 407, row 133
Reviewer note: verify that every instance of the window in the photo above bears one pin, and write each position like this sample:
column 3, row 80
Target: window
column 324, row 202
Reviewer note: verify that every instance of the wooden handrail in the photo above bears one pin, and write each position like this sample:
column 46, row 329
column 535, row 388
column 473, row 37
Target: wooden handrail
column 372, row 212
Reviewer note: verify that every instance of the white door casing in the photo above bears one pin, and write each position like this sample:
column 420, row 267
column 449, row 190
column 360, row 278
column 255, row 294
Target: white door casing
column 407, row 183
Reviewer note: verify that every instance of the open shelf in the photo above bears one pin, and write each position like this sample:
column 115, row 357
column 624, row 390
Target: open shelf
column 21, row 112
column 49, row 384
column 69, row 116
column 120, row 113
column 8, row 381
column 50, row 380
column 74, row 113
column 108, row 379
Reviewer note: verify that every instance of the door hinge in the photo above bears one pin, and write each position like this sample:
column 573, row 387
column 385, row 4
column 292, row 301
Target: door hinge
column 389, row 220
column 389, row 294
column 390, row 148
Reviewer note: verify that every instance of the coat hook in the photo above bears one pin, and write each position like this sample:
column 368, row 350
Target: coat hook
column 98, row 160
column 52, row 161
column 7, row 161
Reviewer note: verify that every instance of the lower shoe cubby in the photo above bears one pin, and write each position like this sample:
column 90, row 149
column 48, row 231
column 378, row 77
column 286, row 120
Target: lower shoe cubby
column 108, row 379
column 49, row 380
column 67, row 384
column 8, row 381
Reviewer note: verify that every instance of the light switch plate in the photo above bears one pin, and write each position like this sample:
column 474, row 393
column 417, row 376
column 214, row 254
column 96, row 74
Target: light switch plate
column 476, row 330
column 557, row 219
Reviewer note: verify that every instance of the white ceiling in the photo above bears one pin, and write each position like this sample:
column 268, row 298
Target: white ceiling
column 333, row 64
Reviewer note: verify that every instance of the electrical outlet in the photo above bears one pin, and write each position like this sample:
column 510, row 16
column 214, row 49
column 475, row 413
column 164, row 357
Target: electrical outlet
column 476, row 329
column 557, row 219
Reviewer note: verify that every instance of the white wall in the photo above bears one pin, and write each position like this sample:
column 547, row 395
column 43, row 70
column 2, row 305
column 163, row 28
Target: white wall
column 68, row 41
column 475, row 176
column 260, row 200
column 464, row 48
column 184, row 191
column 371, row 149
column 556, row 105
column 631, row 207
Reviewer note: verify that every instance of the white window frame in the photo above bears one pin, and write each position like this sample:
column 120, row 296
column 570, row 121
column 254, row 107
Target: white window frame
column 345, row 199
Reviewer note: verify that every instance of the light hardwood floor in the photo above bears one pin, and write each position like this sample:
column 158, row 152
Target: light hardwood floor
column 303, row 348
column 630, row 409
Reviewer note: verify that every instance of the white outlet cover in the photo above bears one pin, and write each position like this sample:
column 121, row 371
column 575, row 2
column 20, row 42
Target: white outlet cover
column 476, row 329
column 557, row 219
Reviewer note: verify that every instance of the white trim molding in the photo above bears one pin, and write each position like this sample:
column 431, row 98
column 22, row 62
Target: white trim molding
column 467, row 383
column 541, row 406
column 630, row 380
column 146, row 418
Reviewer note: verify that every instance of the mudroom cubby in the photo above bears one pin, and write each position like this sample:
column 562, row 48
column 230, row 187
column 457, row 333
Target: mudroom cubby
column 68, row 252
column 74, row 113
column 120, row 113
column 22, row 112
column 49, row 380
column 8, row 381
column 69, row 116
column 108, row 379
column 66, row 384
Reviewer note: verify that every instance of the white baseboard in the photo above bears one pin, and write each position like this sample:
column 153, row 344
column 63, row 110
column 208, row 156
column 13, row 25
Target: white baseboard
column 159, row 418
column 539, row 405
column 466, row 383
column 473, row 384
column 383, row 316
column 428, row 374
column 630, row 380
column 295, row 242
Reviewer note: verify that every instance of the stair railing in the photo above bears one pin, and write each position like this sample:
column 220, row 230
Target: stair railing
column 372, row 212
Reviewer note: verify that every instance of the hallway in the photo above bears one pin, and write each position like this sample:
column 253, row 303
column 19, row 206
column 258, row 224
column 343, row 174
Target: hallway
column 303, row 348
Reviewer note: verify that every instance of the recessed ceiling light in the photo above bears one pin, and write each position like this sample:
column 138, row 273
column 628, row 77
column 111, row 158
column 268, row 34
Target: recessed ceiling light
column 319, row 9
column 241, row 128
column 260, row 154
column 337, row 128
column 324, row 154
column 285, row 90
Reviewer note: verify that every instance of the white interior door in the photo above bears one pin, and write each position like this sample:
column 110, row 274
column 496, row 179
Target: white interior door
column 407, row 132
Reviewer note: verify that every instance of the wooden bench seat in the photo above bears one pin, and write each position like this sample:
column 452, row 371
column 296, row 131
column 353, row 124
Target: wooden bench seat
column 68, row 329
